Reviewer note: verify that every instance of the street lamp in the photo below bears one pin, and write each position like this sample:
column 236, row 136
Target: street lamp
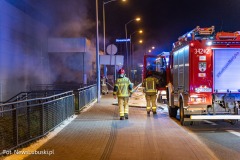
column 150, row 50
column 131, row 54
column 104, row 21
column 139, row 31
column 104, row 30
column 136, row 19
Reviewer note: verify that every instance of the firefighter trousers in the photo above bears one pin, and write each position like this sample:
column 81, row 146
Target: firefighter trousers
column 123, row 105
column 151, row 102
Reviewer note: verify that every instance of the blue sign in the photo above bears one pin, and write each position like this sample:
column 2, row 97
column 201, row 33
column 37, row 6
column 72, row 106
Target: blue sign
column 122, row 40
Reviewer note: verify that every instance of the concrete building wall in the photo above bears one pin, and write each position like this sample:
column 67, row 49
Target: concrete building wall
column 23, row 50
column 71, row 60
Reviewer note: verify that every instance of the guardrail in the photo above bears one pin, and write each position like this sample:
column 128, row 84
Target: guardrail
column 31, row 95
column 86, row 95
column 27, row 120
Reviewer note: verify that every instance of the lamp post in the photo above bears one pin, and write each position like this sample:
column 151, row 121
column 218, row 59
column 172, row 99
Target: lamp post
column 127, row 65
column 104, row 23
column 97, row 55
column 131, row 53
column 104, row 30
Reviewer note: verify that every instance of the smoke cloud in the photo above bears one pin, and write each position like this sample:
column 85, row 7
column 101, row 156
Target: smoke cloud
column 69, row 19
column 24, row 58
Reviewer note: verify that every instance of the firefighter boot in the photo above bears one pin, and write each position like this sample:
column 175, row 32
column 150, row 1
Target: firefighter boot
column 148, row 112
column 121, row 117
column 154, row 111
column 126, row 115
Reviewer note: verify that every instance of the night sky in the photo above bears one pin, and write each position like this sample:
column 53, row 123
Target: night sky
column 163, row 21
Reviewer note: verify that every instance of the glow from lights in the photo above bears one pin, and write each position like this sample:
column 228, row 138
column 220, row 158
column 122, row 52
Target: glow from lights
column 167, row 60
column 209, row 43
column 153, row 47
column 196, row 99
column 138, row 19
column 189, row 35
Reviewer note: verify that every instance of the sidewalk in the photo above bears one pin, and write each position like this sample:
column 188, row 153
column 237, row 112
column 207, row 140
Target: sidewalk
column 97, row 133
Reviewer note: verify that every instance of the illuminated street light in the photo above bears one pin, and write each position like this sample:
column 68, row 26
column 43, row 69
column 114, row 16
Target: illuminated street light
column 139, row 31
column 136, row 19
column 131, row 52
column 153, row 47
column 140, row 41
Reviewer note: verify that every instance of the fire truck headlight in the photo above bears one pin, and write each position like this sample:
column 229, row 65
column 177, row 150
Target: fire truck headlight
column 209, row 43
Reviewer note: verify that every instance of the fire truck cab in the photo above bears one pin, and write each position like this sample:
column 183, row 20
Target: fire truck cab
column 204, row 76
column 158, row 66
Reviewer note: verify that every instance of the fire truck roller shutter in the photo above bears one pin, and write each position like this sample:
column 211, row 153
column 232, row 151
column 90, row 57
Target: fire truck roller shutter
column 226, row 62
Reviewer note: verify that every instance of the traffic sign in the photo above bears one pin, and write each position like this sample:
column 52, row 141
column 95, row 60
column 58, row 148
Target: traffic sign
column 111, row 49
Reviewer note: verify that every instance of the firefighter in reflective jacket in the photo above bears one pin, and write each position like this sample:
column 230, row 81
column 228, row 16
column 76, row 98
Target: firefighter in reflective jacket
column 150, row 88
column 123, row 89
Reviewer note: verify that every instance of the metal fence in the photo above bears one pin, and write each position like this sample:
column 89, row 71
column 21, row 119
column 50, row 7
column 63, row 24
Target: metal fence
column 24, row 121
column 32, row 94
column 86, row 95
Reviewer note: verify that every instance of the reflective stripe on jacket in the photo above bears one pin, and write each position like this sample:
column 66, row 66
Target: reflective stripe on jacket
column 150, row 85
column 121, row 87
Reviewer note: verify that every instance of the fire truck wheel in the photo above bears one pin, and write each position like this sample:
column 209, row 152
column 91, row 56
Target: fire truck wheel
column 172, row 112
column 233, row 122
column 181, row 112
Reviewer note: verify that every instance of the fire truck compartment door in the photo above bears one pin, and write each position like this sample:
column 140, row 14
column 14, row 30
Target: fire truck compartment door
column 180, row 69
column 226, row 70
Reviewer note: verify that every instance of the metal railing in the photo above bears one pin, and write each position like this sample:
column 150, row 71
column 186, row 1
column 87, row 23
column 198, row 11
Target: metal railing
column 86, row 95
column 31, row 95
column 26, row 120
column 23, row 120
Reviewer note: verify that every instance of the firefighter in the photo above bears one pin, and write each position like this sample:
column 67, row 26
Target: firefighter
column 123, row 89
column 150, row 85
column 104, row 88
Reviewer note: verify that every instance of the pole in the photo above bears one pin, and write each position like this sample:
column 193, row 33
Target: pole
column 126, row 49
column 130, row 55
column 104, row 39
column 104, row 30
column 97, row 56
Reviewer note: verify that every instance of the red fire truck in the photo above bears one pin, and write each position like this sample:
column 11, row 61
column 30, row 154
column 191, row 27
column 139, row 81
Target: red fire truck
column 204, row 76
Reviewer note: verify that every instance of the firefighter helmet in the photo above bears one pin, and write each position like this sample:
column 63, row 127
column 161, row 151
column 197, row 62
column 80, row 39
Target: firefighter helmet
column 121, row 71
